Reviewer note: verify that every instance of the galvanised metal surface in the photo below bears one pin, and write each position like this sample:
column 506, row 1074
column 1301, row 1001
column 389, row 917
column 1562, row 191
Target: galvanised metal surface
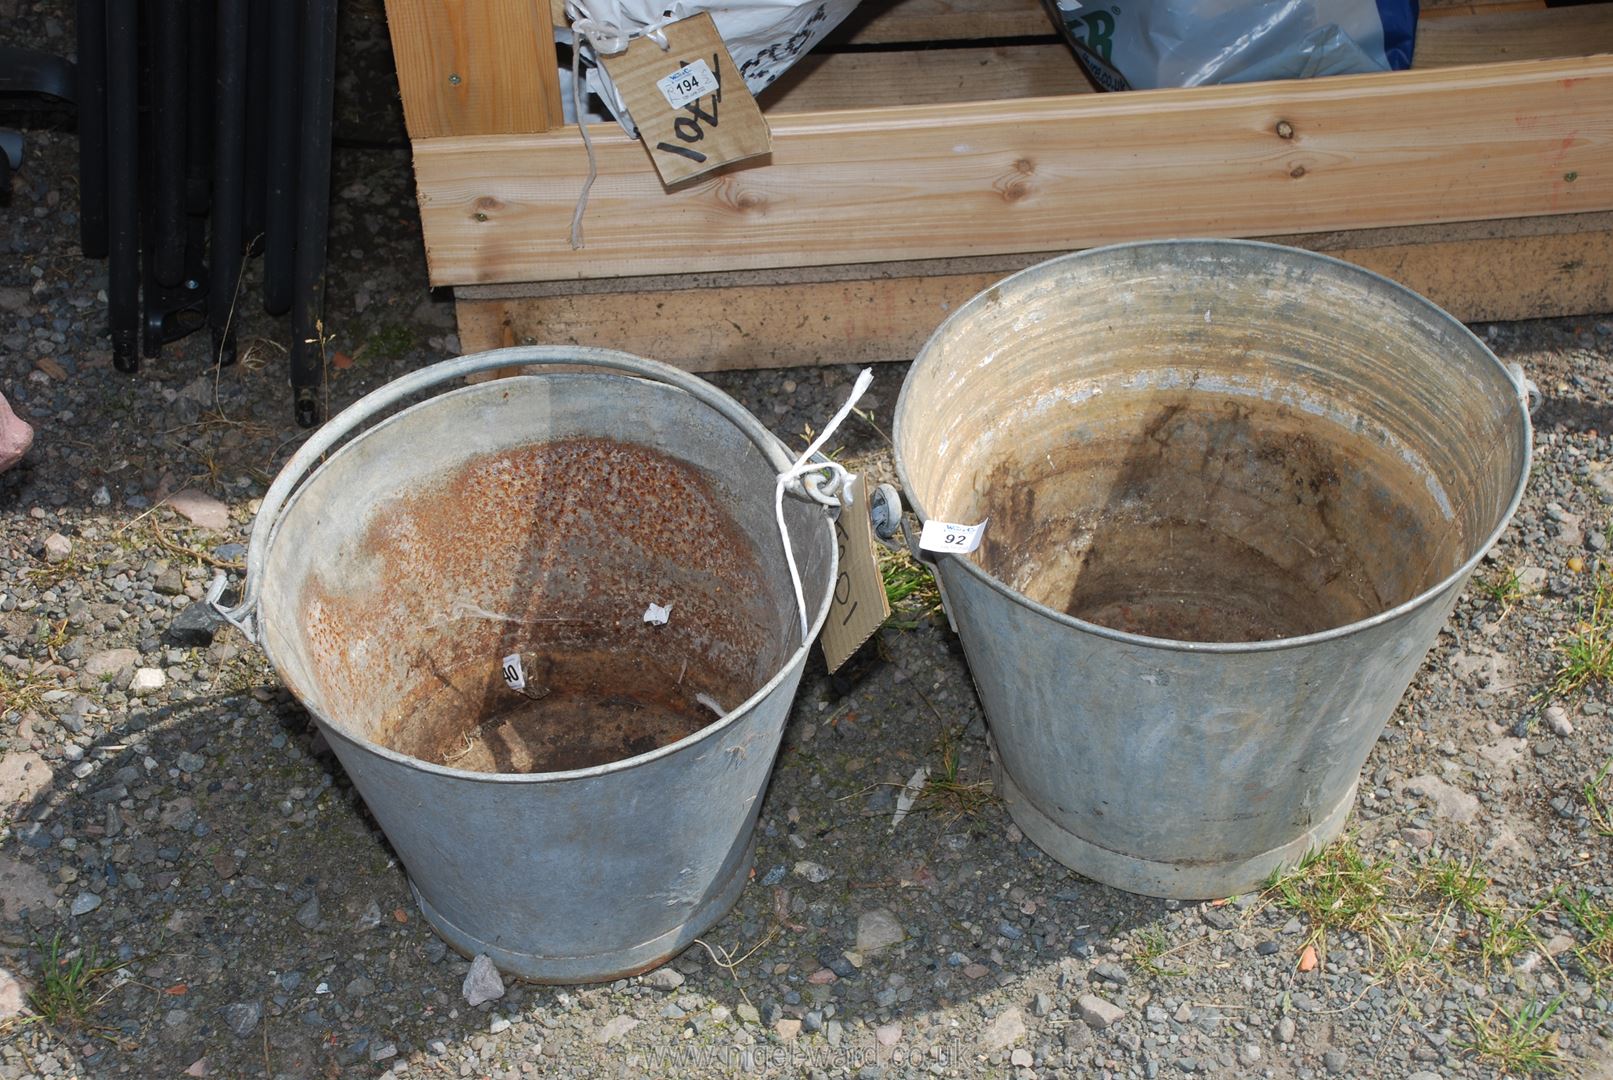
column 592, row 824
column 1233, row 492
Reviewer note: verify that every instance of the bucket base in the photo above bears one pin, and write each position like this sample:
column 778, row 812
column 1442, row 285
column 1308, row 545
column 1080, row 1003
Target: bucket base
column 1170, row 880
column 597, row 967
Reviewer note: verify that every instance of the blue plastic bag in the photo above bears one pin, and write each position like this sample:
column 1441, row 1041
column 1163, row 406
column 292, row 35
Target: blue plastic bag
column 1143, row 44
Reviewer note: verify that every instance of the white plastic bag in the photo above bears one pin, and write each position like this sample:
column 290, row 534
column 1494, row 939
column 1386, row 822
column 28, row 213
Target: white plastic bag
column 764, row 37
column 1144, row 44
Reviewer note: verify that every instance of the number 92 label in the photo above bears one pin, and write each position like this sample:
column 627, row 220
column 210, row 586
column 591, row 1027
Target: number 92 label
column 951, row 537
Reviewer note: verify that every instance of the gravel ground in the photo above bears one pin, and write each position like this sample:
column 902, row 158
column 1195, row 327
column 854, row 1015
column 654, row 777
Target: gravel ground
column 175, row 822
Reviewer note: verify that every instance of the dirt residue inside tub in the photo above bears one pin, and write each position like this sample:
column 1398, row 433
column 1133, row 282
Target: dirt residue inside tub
column 577, row 710
column 1207, row 517
column 551, row 551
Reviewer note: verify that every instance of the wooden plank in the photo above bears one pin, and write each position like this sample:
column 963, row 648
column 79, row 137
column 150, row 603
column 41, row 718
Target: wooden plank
column 475, row 67
column 1503, row 140
column 1514, row 35
column 879, row 22
column 822, row 81
column 1514, row 269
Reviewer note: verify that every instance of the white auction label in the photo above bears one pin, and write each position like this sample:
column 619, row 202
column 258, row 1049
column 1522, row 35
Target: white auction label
column 951, row 537
column 514, row 673
column 689, row 83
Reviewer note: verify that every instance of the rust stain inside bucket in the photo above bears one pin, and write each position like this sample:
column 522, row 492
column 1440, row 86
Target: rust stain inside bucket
column 1200, row 516
column 577, row 710
column 552, row 551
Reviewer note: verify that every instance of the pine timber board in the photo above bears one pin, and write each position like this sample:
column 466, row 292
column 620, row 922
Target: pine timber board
column 885, row 22
column 475, row 67
column 1514, row 269
column 849, row 80
column 1503, row 140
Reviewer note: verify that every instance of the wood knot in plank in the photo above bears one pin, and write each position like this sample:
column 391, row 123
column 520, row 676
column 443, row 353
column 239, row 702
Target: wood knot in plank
column 731, row 194
column 1016, row 184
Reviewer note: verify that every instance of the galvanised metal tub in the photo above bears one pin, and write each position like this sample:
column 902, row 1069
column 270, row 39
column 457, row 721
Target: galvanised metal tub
column 593, row 822
column 1233, row 491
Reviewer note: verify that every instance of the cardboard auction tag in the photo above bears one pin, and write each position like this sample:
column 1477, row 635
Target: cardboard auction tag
column 859, row 605
column 692, row 109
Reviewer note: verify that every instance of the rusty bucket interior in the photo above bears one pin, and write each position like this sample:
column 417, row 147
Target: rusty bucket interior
column 1200, row 445
column 537, row 517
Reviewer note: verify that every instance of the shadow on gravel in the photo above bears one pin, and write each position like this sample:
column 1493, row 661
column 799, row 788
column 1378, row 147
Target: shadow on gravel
column 1574, row 414
column 215, row 852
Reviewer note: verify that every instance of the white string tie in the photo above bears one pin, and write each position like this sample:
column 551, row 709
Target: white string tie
column 836, row 492
column 606, row 39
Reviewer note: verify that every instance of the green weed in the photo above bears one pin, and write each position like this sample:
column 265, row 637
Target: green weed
column 1338, row 888
column 21, row 693
column 1596, row 799
column 1505, row 589
column 1152, row 950
column 1595, row 920
column 1502, row 937
column 1587, row 653
column 948, row 791
column 909, row 586
column 1517, row 1042
column 66, row 997
column 1458, row 884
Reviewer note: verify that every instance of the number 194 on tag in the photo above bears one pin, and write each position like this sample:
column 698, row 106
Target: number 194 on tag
column 689, row 83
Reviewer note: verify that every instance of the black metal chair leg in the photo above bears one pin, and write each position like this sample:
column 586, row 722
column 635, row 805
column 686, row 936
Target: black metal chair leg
column 257, row 115
column 313, row 198
column 166, row 25
column 123, row 183
column 228, row 163
column 280, row 222
column 92, row 128
column 201, row 38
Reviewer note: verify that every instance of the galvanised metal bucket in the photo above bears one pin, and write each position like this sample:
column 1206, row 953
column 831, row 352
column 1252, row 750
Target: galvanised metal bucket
column 593, row 823
column 1233, row 491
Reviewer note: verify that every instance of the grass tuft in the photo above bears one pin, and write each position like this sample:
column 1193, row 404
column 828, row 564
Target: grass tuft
column 909, row 586
column 1517, row 1042
column 1598, row 791
column 67, row 998
column 22, row 693
column 1153, row 948
column 1339, row 888
column 948, row 792
column 1504, row 589
column 1587, row 653
column 1595, row 920
column 1461, row 885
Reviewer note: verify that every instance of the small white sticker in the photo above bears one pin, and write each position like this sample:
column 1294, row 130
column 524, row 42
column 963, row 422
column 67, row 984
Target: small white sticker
column 656, row 615
column 689, row 83
column 514, row 674
column 951, row 537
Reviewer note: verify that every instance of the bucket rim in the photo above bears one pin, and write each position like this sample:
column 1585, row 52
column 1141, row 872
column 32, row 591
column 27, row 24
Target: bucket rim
column 795, row 659
column 1413, row 299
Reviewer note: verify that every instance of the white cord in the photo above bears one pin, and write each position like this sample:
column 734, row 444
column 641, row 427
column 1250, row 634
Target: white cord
column 577, row 98
column 606, row 40
column 838, row 492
